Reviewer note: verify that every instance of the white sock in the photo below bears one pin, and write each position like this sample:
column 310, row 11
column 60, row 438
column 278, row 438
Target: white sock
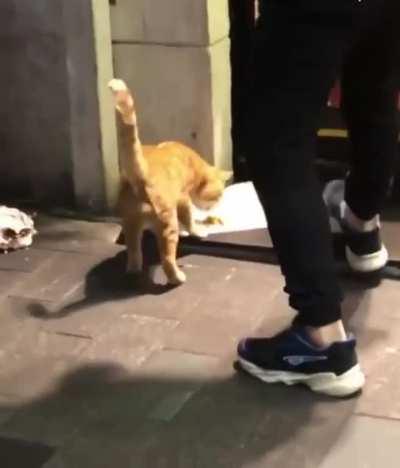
column 356, row 223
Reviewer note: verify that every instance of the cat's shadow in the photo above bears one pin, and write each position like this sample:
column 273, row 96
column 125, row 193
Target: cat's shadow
column 108, row 281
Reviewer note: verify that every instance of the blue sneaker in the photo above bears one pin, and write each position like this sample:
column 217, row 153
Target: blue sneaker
column 365, row 251
column 290, row 358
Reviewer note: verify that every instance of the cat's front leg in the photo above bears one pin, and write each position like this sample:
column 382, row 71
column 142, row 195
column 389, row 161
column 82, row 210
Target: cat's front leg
column 185, row 215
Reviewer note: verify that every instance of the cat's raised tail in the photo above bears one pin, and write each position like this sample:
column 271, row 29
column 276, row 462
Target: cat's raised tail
column 133, row 163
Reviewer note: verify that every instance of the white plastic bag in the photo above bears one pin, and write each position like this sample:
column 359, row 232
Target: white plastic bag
column 16, row 229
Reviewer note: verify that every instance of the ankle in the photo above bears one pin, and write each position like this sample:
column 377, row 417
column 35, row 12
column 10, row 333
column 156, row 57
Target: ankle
column 358, row 224
column 328, row 334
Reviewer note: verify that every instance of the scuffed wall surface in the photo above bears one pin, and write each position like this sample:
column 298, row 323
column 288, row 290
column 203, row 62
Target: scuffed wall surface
column 34, row 110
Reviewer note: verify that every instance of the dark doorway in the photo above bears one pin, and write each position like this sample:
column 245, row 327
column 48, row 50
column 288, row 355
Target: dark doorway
column 243, row 19
column 333, row 147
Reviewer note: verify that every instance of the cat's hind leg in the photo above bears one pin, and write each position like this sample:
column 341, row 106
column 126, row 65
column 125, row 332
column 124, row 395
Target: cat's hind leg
column 133, row 232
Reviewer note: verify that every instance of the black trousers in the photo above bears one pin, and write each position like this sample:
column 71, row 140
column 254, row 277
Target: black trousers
column 301, row 47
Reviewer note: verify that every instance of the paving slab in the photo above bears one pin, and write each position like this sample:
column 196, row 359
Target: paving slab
column 15, row 453
column 8, row 406
column 61, row 275
column 129, row 341
column 188, row 371
column 237, row 305
column 30, row 377
column 101, row 398
column 374, row 316
column 366, row 443
column 25, row 260
column 9, row 279
column 233, row 423
column 57, row 229
column 115, row 372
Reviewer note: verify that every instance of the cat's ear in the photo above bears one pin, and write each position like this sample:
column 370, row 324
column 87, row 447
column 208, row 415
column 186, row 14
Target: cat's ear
column 225, row 175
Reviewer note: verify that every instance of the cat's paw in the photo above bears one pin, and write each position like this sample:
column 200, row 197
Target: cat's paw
column 178, row 278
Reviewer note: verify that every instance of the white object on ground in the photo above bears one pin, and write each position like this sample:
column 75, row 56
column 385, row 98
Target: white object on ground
column 239, row 210
column 16, row 229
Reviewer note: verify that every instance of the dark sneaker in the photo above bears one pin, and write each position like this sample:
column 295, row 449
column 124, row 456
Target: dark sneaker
column 365, row 251
column 290, row 358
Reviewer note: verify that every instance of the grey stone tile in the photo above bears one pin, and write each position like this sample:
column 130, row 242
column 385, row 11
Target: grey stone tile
column 77, row 245
column 89, row 401
column 85, row 320
column 59, row 229
column 47, row 420
column 24, row 260
column 57, row 278
column 7, row 408
column 9, row 279
column 238, row 304
column 233, row 423
column 180, row 302
column 129, row 341
column 13, row 335
column 207, row 277
column 68, row 235
column 366, row 443
column 373, row 315
column 189, row 371
column 32, row 358
column 167, row 409
column 29, row 376
column 97, row 397
column 390, row 234
column 177, row 365
column 20, row 311
column 16, row 452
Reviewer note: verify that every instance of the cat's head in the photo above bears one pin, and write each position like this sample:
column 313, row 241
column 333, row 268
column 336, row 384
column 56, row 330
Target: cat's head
column 211, row 188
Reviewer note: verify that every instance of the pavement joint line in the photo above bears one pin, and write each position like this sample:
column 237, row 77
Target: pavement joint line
column 13, row 296
column 70, row 335
column 194, row 353
column 374, row 416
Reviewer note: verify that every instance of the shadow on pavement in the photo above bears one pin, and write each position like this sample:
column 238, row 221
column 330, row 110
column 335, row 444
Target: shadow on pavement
column 100, row 416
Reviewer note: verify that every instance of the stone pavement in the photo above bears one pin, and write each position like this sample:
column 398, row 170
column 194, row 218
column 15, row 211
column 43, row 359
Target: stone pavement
column 98, row 370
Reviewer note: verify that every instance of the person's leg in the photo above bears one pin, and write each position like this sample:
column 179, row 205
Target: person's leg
column 370, row 87
column 299, row 51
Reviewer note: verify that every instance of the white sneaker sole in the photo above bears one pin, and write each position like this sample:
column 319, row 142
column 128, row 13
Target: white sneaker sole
column 327, row 383
column 367, row 263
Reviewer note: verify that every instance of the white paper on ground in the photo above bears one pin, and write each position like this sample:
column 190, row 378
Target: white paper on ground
column 239, row 209
column 16, row 229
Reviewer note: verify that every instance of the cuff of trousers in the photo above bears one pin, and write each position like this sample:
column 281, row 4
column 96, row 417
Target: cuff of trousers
column 319, row 317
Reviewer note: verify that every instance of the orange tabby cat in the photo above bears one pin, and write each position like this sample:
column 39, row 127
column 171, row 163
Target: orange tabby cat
column 158, row 184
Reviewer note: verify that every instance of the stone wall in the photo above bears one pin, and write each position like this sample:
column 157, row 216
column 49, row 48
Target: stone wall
column 175, row 56
column 53, row 147
column 34, row 112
